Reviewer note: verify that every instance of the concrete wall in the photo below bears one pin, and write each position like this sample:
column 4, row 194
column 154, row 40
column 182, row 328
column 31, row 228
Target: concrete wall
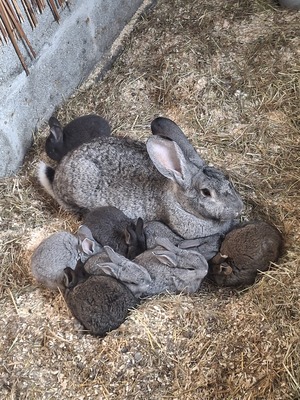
column 66, row 53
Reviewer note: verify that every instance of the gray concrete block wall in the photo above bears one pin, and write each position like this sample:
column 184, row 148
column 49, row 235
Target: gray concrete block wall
column 66, row 53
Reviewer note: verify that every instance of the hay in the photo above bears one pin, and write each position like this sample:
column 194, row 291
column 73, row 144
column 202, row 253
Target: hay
column 228, row 73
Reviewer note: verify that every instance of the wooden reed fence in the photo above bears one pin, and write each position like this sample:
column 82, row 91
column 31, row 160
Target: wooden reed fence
column 13, row 14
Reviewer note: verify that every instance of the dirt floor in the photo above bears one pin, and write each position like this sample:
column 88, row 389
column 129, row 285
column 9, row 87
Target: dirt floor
column 228, row 72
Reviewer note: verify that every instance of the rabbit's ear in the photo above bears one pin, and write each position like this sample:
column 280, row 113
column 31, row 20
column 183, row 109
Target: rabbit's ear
column 110, row 269
column 135, row 239
column 166, row 257
column 140, row 227
column 188, row 243
column 218, row 259
column 169, row 160
column 84, row 232
column 117, row 272
column 140, row 235
column 128, row 271
column 130, row 235
column 56, row 130
column 134, row 233
column 165, row 127
column 69, row 279
column 80, row 271
column 166, row 243
column 57, row 133
column 113, row 256
column 226, row 269
column 88, row 246
column 86, row 241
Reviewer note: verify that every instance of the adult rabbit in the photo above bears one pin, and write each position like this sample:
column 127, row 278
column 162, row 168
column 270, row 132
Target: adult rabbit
column 101, row 303
column 111, row 227
column 248, row 248
column 159, row 180
column 80, row 130
column 61, row 250
column 163, row 269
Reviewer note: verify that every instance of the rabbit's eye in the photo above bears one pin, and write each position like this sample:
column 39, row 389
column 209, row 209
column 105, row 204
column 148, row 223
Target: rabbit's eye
column 206, row 192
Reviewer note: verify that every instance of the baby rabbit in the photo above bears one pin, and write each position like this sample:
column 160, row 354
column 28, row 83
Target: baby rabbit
column 246, row 249
column 101, row 303
column 81, row 130
column 155, row 229
column 160, row 270
column 58, row 251
column 111, row 227
column 207, row 246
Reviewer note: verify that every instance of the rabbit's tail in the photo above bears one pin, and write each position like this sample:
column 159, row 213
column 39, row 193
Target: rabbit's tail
column 46, row 176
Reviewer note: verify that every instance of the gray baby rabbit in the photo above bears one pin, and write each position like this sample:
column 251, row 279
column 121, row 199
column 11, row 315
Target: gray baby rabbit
column 155, row 229
column 111, row 227
column 164, row 269
column 245, row 250
column 81, row 130
column 159, row 180
column 101, row 303
column 208, row 246
column 61, row 250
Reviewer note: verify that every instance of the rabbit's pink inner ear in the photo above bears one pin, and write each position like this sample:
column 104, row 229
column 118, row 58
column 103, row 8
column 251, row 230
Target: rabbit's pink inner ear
column 88, row 246
column 166, row 155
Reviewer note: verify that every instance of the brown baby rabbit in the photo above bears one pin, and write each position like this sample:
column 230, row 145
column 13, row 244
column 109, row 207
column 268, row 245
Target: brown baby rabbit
column 248, row 248
column 100, row 302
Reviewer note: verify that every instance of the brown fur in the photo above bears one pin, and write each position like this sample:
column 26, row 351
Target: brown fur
column 101, row 303
column 245, row 250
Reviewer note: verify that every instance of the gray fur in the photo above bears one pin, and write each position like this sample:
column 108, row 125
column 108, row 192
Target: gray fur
column 207, row 246
column 58, row 251
column 155, row 229
column 165, row 127
column 111, row 227
column 101, row 303
column 91, row 265
column 246, row 249
column 156, row 181
column 164, row 269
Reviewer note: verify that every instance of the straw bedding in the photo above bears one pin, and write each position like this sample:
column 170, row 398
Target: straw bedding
column 228, row 73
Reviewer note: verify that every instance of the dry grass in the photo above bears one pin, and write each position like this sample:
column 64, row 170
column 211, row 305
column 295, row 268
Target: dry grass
column 228, row 73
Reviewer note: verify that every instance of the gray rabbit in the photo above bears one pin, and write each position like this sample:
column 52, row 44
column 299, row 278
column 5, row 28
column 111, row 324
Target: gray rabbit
column 81, row 130
column 208, row 246
column 111, row 227
column 159, row 180
column 163, row 269
column 155, row 229
column 100, row 302
column 61, row 250
column 248, row 248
